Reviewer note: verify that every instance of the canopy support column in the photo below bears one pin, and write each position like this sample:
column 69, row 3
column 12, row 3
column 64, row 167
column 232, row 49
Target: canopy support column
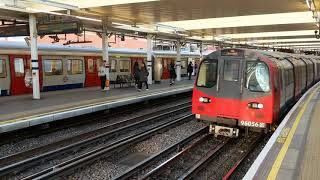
column 105, row 53
column 149, row 57
column 34, row 56
column 178, row 61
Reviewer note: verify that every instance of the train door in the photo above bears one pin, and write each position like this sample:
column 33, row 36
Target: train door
column 19, row 64
column 91, row 69
column 230, row 84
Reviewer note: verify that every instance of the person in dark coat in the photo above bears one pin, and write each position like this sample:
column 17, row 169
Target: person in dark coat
column 190, row 70
column 173, row 74
column 136, row 73
column 143, row 77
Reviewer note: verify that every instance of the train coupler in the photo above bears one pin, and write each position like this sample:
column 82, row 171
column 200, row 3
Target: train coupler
column 224, row 131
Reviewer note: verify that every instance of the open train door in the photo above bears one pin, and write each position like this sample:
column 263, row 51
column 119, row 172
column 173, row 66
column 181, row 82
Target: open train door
column 91, row 68
column 19, row 64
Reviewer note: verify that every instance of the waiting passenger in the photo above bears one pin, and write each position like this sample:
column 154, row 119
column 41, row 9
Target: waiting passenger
column 172, row 72
column 102, row 73
column 136, row 73
column 190, row 70
column 143, row 75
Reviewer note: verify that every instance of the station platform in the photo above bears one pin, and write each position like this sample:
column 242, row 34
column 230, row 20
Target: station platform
column 293, row 151
column 17, row 112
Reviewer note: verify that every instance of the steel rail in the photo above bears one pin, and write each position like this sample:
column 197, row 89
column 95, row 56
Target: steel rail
column 65, row 167
column 110, row 131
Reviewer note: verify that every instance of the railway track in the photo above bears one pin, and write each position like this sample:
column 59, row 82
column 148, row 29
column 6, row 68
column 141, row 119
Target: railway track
column 191, row 162
column 70, row 153
column 81, row 120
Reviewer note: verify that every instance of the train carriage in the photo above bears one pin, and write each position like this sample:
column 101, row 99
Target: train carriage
column 239, row 88
column 5, row 75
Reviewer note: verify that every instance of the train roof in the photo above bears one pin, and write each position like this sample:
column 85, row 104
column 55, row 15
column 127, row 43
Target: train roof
column 20, row 45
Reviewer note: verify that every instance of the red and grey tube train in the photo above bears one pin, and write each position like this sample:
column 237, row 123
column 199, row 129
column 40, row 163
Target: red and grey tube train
column 238, row 88
column 65, row 67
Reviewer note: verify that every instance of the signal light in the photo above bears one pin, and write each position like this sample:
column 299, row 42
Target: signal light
column 204, row 100
column 255, row 105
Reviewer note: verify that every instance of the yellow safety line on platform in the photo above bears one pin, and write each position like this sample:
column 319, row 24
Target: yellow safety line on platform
column 277, row 164
column 78, row 107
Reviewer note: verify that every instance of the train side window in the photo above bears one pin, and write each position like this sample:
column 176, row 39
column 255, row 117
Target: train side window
column 19, row 67
column 124, row 65
column 90, row 65
column 3, row 72
column 53, row 67
column 231, row 70
column 113, row 66
column 207, row 74
column 257, row 77
column 75, row 66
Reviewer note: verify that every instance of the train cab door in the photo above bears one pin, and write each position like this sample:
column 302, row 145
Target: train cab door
column 91, row 69
column 229, row 89
column 19, row 64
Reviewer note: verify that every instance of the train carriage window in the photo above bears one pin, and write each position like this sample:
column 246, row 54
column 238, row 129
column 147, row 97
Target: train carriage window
column 3, row 72
column 19, row 67
column 53, row 67
column 75, row 66
column 207, row 74
column 231, row 70
column 113, row 66
column 257, row 77
column 91, row 63
column 124, row 65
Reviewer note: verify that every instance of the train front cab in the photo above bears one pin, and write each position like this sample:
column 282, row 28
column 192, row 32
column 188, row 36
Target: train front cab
column 232, row 92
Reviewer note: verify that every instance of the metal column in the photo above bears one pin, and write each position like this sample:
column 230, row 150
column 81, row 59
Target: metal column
column 201, row 51
column 34, row 56
column 149, row 58
column 105, row 53
column 178, row 61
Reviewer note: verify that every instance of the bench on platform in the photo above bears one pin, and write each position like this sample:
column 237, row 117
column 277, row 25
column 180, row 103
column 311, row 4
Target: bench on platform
column 124, row 79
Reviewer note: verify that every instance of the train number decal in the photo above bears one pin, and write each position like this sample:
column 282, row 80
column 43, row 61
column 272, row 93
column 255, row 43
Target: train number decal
column 252, row 124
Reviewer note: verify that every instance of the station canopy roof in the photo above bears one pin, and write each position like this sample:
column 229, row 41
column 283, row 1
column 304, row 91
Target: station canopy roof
column 265, row 23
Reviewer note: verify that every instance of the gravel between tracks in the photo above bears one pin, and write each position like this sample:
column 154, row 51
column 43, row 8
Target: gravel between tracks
column 109, row 168
column 30, row 143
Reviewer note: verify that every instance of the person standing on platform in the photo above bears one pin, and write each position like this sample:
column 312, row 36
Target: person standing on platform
column 136, row 73
column 143, row 77
column 190, row 70
column 195, row 69
column 102, row 73
column 173, row 74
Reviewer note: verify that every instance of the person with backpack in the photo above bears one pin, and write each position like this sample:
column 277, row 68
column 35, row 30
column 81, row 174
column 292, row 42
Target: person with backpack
column 136, row 74
column 172, row 73
column 143, row 77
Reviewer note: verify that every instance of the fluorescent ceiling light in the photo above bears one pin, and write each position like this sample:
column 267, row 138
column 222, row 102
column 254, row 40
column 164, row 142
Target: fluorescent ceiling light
column 90, row 3
column 242, row 21
column 269, row 34
column 296, row 44
column 281, row 40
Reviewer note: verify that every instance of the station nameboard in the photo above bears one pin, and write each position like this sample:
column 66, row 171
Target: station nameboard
column 14, row 30
column 59, row 28
column 43, row 29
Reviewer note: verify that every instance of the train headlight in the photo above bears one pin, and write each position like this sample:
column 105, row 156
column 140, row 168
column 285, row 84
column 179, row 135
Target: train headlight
column 204, row 100
column 255, row 105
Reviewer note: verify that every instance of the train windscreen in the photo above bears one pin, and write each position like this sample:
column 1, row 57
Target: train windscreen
column 207, row 74
column 257, row 77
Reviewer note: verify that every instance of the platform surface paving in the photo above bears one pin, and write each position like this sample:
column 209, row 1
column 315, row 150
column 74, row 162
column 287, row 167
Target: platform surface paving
column 295, row 151
column 13, row 107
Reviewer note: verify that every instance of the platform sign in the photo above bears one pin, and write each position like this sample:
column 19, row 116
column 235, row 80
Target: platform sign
column 59, row 28
column 14, row 30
